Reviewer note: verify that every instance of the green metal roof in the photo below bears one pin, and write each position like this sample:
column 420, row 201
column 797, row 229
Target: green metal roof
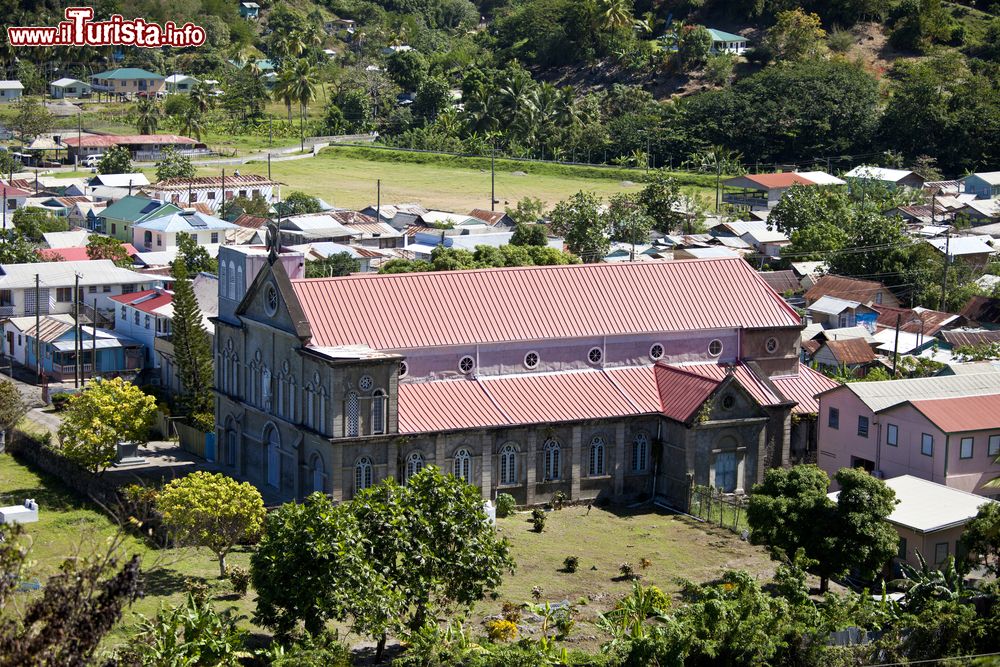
column 723, row 36
column 127, row 73
column 131, row 208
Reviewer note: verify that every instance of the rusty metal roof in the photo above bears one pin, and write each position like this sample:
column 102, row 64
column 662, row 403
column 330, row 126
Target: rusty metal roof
column 681, row 391
column 851, row 351
column 964, row 413
column 802, row 388
column 417, row 310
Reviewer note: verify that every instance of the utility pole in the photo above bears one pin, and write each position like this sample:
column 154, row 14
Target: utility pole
column 268, row 166
column 5, row 208
column 222, row 206
column 378, row 200
column 947, row 261
column 93, row 331
column 38, row 326
column 895, row 347
column 76, row 327
column 493, row 177
column 79, row 135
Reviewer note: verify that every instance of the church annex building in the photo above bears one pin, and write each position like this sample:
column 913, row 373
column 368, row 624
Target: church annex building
column 626, row 380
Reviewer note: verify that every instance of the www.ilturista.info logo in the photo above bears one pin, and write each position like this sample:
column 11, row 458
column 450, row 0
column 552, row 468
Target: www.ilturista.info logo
column 79, row 30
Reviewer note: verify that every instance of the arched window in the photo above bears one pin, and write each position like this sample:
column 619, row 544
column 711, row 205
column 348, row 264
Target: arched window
column 362, row 474
column 550, row 457
column 230, row 443
column 290, row 411
column 308, row 393
column 273, row 456
column 640, row 452
column 318, row 474
column 596, row 467
column 508, row 464
column 232, row 280
column 222, row 273
column 352, row 413
column 463, row 465
column 414, row 464
column 235, row 388
column 240, row 287
column 321, row 402
column 378, row 411
column 147, row 238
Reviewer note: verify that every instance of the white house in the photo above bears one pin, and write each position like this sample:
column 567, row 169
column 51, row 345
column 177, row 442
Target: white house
column 135, row 181
column 209, row 190
column 161, row 233
column 727, row 42
column 891, row 178
column 10, row 91
column 67, row 88
column 99, row 280
column 181, row 83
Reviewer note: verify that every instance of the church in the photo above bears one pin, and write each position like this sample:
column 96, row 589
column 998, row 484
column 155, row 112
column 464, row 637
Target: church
column 625, row 381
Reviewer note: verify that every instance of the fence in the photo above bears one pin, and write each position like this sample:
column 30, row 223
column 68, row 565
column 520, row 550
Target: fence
column 725, row 510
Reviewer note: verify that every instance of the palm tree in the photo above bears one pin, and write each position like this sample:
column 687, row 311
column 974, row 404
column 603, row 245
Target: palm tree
column 147, row 116
column 192, row 125
column 283, row 89
column 717, row 160
column 615, row 14
column 201, row 97
column 304, row 77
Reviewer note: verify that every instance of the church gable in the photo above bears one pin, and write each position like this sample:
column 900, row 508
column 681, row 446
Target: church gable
column 730, row 401
column 270, row 300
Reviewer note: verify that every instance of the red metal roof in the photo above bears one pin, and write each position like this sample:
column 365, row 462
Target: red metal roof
column 802, row 388
column 78, row 254
column 749, row 380
column 964, row 413
column 14, row 191
column 181, row 184
column 411, row 310
column 108, row 140
column 151, row 302
column 682, row 392
column 558, row 397
column 426, row 407
column 781, row 180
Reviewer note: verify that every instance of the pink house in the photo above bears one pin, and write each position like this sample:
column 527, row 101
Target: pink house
column 943, row 429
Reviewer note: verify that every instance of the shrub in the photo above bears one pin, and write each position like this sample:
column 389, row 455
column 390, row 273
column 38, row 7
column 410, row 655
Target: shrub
column 536, row 593
column 511, row 612
column 60, row 401
column 505, row 505
column 840, row 41
column 501, row 630
column 572, row 563
column 559, row 499
column 627, row 570
column 645, row 563
column 240, row 579
column 538, row 520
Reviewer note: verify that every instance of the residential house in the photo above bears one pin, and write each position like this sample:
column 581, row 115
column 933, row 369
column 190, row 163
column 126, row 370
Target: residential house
column 762, row 192
column 76, row 254
column 399, row 216
column 322, row 385
column 127, row 81
column 212, row 190
column 975, row 251
column 834, row 313
column 57, row 206
column 160, row 232
column 853, row 354
column 12, row 197
column 809, row 273
column 867, row 292
column 980, row 212
column 144, row 316
column 50, row 345
column 784, row 282
column 712, row 252
column 324, row 249
column 727, row 42
column 498, row 219
column 133, row 181
column 316, row 228
column 985, row 185
column 85, row 213
column 930, row 519
column 863, row 175
column 206, row 293
column 968, row 337
column 147, row 147
column 117, row 219
column 945, row 429
column 98, row 280
column 74, row 238
column 10, row 91
column 250, row 10
column 923, row 322
column 180, row 83
column 69, row 88
column 982, row 311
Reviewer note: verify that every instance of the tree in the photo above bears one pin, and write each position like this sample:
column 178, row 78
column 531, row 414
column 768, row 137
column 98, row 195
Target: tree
column 407, row 69
column 173, row 165
column 579, row 221
column 256, row 206
column 147, row 116
column 796, row 35
column 105, row 247
column 192, row 350
column 982, row 536
column 863, row 540
column 195, row 257
column 12, row 408
column 297, row 203
column 334, row 579
column 803, row 206
column 433, row 97
column 337, row 264
column 201, row 97
column 32, row 222
column 211, row 510
column 627, row 220
column 815, row 242
column 615, row 15
column 693, row 46
column 98, row 418
column 192, row 123
column 530, row 235
column 660, row 200
column 15, row 248
column 527, row 211
column 31, row 120
column 880, row 249
column 917, row 24
column 117, row 160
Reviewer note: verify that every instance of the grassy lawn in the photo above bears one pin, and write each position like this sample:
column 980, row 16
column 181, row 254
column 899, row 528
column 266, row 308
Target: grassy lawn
column 602, row 539
column 345, row 179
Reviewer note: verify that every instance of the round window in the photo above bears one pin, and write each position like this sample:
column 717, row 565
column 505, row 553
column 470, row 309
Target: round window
column 771, row 345
column 271, row 300
column 656, row 352
column 728, row 402
column 531, row 360
column 715, row 347
column 403, row 368
column 466, row 364
column 366, row 383
column 595, row 355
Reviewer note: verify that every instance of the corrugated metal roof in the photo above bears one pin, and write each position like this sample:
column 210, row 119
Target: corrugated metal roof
column 886, row 393
column 682, row 392
column 959, row 338
column 61, row 274
column 782, row 281
column 50, row 327
column 108, row 140
column 742, row 374
column 427, row 407
column 851, row 289
column 982, row 309
column 400, row 311
column 831, row 305
column 802, row 388
column 916, row 320
column 181, row 184
column 962, row 413
column 851, row 351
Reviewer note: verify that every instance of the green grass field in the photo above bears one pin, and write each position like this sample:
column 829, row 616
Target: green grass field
column 677, row 547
